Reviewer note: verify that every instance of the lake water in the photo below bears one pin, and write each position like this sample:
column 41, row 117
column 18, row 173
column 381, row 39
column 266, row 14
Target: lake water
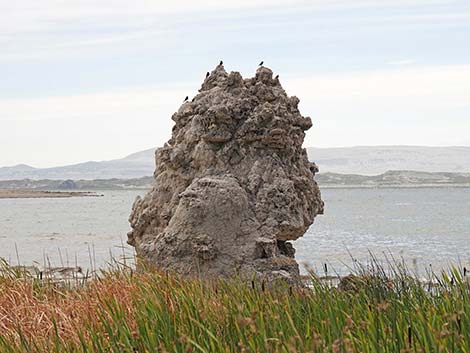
column 423, row 226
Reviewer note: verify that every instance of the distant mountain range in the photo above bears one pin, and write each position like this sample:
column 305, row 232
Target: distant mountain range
column 399, row 178
column 376, row 160
column 135, row 165
column 395, row 178
column 372, row 160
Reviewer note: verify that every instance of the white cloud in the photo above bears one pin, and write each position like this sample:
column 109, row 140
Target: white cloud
column 50, row 28
column 25, row 15
column 31, row 15
column 402, row 62
column 60, row 130
column 88, row 106
column 450, row 84
column 427, row 106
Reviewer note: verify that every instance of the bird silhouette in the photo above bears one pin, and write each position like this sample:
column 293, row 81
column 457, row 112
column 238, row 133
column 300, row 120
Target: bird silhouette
column 221, row 62
column 207, row 74
column 186, row 99
column 277, row 77
column 261, row 63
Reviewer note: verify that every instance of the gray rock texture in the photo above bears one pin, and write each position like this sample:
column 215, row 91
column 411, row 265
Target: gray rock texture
column 232, row 186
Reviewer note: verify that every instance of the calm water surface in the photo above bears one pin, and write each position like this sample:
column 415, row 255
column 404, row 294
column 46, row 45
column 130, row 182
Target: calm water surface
column 428, row 226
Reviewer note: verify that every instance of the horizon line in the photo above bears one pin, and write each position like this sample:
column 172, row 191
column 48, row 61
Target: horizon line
column 307, row 147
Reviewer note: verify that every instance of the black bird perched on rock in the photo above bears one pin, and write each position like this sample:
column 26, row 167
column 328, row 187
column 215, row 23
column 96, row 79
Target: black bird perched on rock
column 207, row 74
column 261, row 63
column 277, row 77
column 186, row 99
column 221, row 62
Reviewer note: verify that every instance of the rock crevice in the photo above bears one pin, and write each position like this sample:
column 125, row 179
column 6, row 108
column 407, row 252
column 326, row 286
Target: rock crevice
column 233, row 184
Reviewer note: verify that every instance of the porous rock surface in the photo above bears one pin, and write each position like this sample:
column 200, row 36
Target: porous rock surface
column 232, row 186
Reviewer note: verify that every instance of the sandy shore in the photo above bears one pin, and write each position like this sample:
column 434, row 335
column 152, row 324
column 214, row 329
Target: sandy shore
column 25, row 194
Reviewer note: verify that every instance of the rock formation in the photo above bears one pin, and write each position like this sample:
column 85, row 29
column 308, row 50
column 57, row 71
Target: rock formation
column 232, row 186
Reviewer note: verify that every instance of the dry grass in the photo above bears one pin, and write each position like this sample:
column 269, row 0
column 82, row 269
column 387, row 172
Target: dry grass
column 152, row 312
column 39, row 312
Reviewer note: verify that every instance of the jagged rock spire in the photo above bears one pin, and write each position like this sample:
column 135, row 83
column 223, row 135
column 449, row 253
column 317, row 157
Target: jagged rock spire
column 233, row 184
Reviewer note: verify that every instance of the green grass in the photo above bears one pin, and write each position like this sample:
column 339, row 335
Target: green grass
column 125, row 311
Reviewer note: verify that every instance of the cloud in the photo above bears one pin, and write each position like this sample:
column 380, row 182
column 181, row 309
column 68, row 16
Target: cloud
column 450, row 84
column 52, row 28
column 412, row 105
column 89, row 106
column 402, row 62
column 49, row 16
column 27, row 15
column 61, row 130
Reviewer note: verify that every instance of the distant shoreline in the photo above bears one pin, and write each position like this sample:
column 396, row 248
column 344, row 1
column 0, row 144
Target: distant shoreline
column 390, row 179
column 397, row 186
column 36, row 194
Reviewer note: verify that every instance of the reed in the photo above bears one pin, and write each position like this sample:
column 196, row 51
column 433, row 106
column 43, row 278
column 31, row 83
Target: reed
column 378, row 310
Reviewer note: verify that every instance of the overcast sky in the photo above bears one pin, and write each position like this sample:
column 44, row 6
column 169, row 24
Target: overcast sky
column 94, row 80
